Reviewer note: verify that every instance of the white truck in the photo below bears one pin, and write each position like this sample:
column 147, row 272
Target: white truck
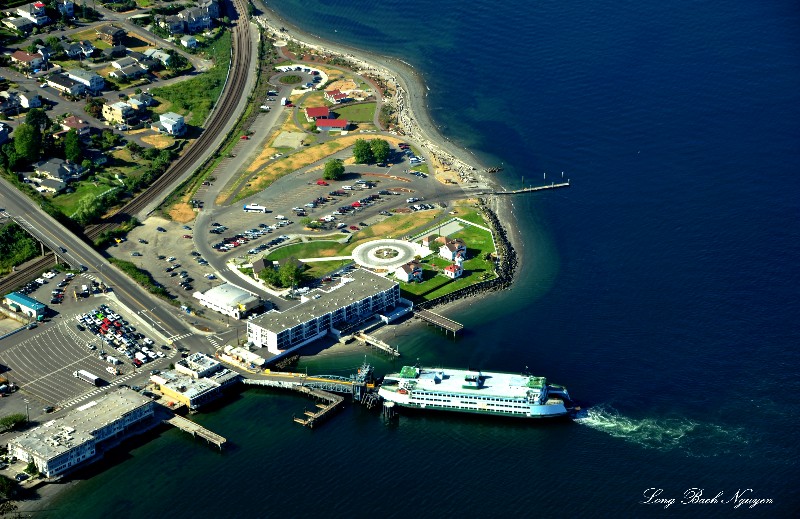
column 85, row 290
column 141, row 356
column 254, row 208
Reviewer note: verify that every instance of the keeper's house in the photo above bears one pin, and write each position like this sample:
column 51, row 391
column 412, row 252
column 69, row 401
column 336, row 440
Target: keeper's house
column 25, row 305
column 84, row 433
column 358, row 297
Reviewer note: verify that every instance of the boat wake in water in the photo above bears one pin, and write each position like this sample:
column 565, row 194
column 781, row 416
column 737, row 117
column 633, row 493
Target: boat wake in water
column 665, row 434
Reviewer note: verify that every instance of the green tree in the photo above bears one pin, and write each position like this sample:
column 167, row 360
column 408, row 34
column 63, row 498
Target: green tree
column 380, row 150
column 11, row 421
column 290, row 272
column 38, row 118
column 362, row 152
column 134, row 148
column 176, row 60
column 334, row 169
column 27, row 142
column 32, row 469
column 53, row 44
column 10, row 158
column 305, row 221
column 8, row 487
column 72, row 146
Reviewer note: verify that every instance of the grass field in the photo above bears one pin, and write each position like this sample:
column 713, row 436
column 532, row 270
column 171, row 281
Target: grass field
column 315, row 249
column 68, row 202
column 363, row 112
column 318, row 269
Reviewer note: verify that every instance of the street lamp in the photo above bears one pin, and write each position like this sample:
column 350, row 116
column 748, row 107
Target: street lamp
column 27, row 412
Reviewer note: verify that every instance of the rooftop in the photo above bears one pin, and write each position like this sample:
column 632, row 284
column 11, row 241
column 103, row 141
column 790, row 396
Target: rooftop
column 22, row 299
column 78, row 426
column 228, row 295
column 356, row 286
column 442, row 380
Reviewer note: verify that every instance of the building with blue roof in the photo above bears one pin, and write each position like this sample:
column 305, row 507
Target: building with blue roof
column 24, row 304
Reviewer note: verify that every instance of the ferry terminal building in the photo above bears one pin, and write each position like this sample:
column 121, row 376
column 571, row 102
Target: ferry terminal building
column 359, row 296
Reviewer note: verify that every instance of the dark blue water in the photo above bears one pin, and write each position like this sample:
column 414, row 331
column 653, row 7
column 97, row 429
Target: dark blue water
column 661, row 288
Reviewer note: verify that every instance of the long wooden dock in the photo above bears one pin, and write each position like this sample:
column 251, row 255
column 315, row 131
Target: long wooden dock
column 184, row 424
column 532, row 189
column 439, row 320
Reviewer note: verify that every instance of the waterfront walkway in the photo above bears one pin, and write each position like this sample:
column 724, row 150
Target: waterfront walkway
column 184, row 424
column 532, row 189
column 439, row 320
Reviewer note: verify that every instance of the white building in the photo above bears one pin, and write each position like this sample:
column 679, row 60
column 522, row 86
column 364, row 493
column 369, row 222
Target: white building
column 359, row 296
column 229, row 300
column 172, row 123
column 198, row 365
column 61, row 444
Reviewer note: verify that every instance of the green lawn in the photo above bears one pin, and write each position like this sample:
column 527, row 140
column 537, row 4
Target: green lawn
column 315, row 249
column 67, row 203
column 317, row 269
column 470, row 214
column 422, row 168
column 363, row 112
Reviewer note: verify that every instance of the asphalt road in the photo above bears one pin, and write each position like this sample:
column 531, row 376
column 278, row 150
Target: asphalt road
column 162, row 317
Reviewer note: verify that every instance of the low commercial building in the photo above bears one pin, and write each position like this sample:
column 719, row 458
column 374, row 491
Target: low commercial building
column 198, row 365
column 317, row 112
column 193, row 392
column 237, row 354
column 332, row 124
column 25, row 305
column 59, row 445
column 359, row 296
column 229, row 300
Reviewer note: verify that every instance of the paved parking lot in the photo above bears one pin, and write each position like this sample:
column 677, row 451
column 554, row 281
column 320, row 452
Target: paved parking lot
column 42, row 360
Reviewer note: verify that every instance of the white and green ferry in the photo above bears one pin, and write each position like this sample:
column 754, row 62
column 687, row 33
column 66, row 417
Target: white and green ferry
column 490, row 393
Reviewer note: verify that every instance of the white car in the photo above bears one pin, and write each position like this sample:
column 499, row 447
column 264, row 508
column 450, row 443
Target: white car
column 49, row 275
column 411, row 200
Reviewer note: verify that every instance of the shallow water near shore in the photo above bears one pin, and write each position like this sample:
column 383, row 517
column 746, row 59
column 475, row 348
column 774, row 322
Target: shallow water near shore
column 661, row 288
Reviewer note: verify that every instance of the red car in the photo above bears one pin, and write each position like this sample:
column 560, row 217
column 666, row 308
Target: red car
column 188, row 236
column 245, row 137
column 322, row 183
column 353, row 228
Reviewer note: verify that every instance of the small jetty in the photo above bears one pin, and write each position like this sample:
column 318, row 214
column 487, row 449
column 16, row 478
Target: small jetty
column 532, row 189
column 195, row 429
column 439, row 320
column 330, row 400
column 377, row 343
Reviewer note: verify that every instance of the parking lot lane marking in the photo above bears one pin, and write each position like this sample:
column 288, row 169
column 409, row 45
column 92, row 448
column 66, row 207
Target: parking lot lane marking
column 63, row 368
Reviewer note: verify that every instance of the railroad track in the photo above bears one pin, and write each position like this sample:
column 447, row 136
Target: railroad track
column 30, row 272
column 241, row 56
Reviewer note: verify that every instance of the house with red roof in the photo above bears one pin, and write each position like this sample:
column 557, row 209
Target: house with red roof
column 73, row 123
column 27, row 60
column 335, row 96
column 317, row 112
column 332, row 124
column 453, row 271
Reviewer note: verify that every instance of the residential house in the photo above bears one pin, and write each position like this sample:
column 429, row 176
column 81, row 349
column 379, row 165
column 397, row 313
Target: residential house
column 143, row 61
column 453, row 271
column 66, row 7
column 34, row 12
column 118, row 112
column 92, row 80
column 453, row 249
column 127, row 67
column 4, row 131
column 140, row 102
column 114, row 51
column 317, row 112
column 259, row 265
column 27, row 60
column 28, row 99
column 332, row 124
column 335, row 96
column 14, row 100
column 58, row 169
column 22, row 25
column 173, row 24
column 50, row 185
column 196, row 19
column 72, row 49
column 159, row 55
column 66, row 85
column 411, row 271
column 44, row 52
column 73, row 123
column 88, row 48
column 430, row 240
column 171, row 123
column 210, row 7
column 110, row 34
column 190, row 42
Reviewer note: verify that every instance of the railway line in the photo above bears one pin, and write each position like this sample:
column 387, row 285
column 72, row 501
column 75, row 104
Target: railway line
column 22, row 276
column 241, row 56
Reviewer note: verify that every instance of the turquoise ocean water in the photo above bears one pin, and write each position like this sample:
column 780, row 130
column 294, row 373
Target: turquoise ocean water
column 661, row 289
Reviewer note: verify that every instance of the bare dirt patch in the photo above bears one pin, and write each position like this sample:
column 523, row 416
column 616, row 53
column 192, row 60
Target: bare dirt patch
column 289, row 140
column 158, row 141
column 344, row 85
column 182, row 212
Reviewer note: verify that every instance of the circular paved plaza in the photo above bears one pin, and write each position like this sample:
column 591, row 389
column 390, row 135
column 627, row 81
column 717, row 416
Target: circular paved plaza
column 384, row 254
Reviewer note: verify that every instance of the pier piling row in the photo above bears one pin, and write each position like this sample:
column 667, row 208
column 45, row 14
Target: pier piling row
column 439, row 320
